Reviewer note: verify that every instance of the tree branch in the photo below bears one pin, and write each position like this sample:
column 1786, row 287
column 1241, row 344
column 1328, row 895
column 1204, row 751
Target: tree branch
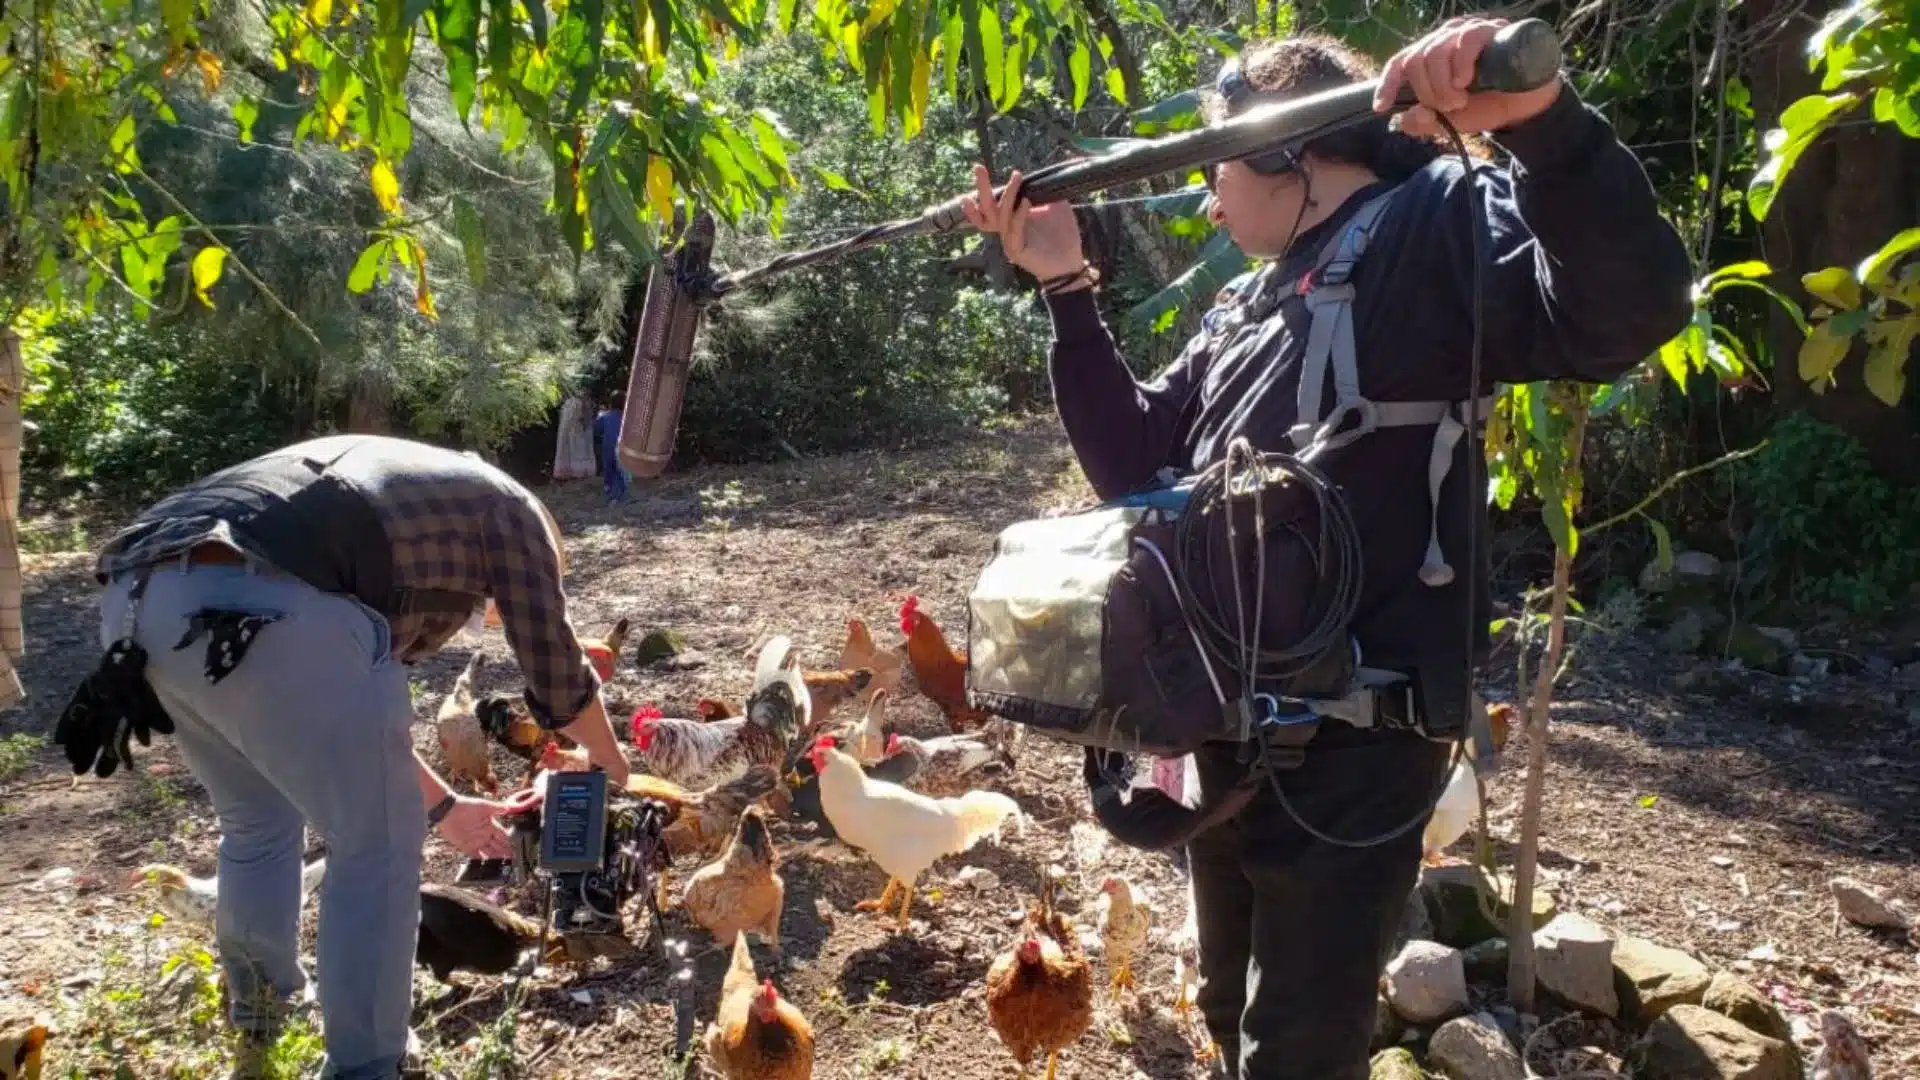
column 1670, row 483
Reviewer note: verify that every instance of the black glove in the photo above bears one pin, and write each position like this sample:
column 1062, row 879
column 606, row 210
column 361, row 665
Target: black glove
column 111, row 707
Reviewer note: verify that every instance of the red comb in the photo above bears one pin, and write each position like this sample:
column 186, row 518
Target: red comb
column 908, row 611
column 767, row 990
column 643, row 713
column 893, row 744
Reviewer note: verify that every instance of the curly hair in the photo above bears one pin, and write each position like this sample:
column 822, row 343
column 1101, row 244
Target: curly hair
column 1283, row 68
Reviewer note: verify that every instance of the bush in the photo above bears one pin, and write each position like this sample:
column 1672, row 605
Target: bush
column 128, row 410
column 1826, row 529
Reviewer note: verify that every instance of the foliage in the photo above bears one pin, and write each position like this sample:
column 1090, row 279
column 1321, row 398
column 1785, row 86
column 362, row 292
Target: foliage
column 1825, row 529
column 1001, row 339
column 17, row 752
column 127, row 409
column 1869, row 46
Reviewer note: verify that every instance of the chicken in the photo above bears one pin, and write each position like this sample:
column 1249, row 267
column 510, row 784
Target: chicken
column 742, row 889
column 686, row 751
column 867, row 739
column 463, row 742
column 554, row 759
column 939, row 670
column 902, row 831
column 707, row 818
column 1843, row 1053
column 951, row 764
column 1123, row 917
column 194, row 900
column 1040, row 992
column 1186, row 958
column 713, row 709
column 22, row 1042
column 826, row 690
column 603, row 653
column 803, row 784
column 757, row 1035
column 460, row 931
column 860, row 652
column 1459, row 804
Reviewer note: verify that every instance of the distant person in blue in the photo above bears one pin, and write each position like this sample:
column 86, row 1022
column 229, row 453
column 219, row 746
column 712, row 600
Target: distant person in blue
column 606, row 435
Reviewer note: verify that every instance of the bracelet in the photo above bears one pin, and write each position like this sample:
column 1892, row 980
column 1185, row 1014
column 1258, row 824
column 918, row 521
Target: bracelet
column 1087, row 272
column 441, row 809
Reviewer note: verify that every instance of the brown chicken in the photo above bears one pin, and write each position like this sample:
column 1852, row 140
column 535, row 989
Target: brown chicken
column 706, row 818
column 860, row 652
column 604, row 652
column 22, row 1042
column 939, row 670
column 757, row 1034
column 741, row 890
column 1040, row 992
column 463, row 741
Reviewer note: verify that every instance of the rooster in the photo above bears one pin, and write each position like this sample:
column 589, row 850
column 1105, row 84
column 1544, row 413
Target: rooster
column 1040, row 992
column 686, row 751
column 1453, row 814
column 939, row 670
column 951, row 764
column 757, row 1035
column 463, row 742
column 604, row 653
column 903, row 831
column 860, row 652
column 1123, row 919
column 742, row 890
column 22, row 1042
column 194, row 900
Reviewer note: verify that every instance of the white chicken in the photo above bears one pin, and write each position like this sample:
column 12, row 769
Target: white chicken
column 191, row 899
column 902, row 831
column 867, row 739
column 1186, row 958
column 1460, row 803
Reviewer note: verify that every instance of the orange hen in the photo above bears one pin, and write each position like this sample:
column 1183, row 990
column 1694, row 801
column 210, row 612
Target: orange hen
column 757, row 1034
column 861, row 652
column 938, row 669
column 1040, row 992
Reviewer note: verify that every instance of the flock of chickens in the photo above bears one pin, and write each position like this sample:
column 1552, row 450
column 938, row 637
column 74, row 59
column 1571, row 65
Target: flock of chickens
column 804, row 745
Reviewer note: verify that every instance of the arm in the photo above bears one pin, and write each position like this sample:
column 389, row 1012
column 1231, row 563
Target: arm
column 523, row 570
column 469, row 825
column 1122, row 430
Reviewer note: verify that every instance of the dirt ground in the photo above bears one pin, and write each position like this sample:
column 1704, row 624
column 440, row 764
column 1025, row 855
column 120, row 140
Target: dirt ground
column 1708, row 815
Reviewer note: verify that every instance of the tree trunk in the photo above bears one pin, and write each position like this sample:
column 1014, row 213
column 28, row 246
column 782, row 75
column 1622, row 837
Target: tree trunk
column 999, row 270
column 1851, row 191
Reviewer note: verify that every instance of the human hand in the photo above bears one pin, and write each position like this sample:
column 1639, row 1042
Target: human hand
column 470, row 827
column 1439, row 67
column 1042, row 240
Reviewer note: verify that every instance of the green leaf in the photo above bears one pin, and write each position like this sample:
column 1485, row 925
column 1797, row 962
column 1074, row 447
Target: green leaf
column 833, row 180
column 245, row 112
column 1673, row 357
column 1662, row 546
column 1167, row 112
column 1833, row 286
column 1901, row 109
column 1889, row 342
column 1786, row 303
column 372, row 261
column 467, row 226
column 1752, row 268
column 1557, row 513
column 177, row 17
column 1800, row 124
column 993, row 51
column 1080, row 71
column 125, row 157
column 458, row 22
column 1877, row 269
column 613, row 204
column 1219, row 261
column 1117, row 85
column 207, row 268
column 1823, row 350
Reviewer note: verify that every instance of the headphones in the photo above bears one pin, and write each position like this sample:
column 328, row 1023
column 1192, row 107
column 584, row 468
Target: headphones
column 1234, row 89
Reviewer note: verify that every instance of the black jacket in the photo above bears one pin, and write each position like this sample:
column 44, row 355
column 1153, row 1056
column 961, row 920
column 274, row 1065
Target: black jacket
column 1584, row 279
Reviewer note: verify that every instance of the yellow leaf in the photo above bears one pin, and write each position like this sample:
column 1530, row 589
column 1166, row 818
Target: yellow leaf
column 386, row 187
column 320, row 11
column 1822, row 352
column 210, row 69
column 660, row 188
column 1835, row 285
column 207, row 267
column 1888, row 343
column 877, row 14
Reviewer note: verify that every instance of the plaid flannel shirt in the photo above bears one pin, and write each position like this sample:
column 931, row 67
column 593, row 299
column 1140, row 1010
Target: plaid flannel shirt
column 456, row 524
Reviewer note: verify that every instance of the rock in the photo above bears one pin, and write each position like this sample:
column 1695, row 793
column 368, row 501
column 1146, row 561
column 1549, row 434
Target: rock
column 1487, row 962
column 1685, row 634
column 1573, row 957
column 1802, row 666
column 1862, row 905
column 1787, row 640
column 1650, row 979
column 1474, row 1048
column 1691, row 1043
column 1742, row 1003
column 1453, row 903
column 1415, row 922
column 656, row 646
column 979, row 877
column 1427, row 982
column 1386, row 1025
column 1395, row 1064
column 1691, row 567
column 1756, row 650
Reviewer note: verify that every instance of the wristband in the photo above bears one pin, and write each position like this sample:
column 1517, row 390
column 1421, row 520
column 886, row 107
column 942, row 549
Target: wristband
column 440, row 810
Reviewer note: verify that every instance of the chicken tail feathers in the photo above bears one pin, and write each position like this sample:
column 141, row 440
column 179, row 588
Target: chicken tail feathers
column 984, row 813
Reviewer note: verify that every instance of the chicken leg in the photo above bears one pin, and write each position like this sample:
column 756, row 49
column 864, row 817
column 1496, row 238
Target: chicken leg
column 905, row 903
column 1053, row 1064
column 886, row 898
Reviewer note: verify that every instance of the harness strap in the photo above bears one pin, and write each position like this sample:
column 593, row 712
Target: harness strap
column 1328, row 291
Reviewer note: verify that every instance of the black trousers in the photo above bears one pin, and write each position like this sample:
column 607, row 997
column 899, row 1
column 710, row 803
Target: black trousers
column 1294, row 930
